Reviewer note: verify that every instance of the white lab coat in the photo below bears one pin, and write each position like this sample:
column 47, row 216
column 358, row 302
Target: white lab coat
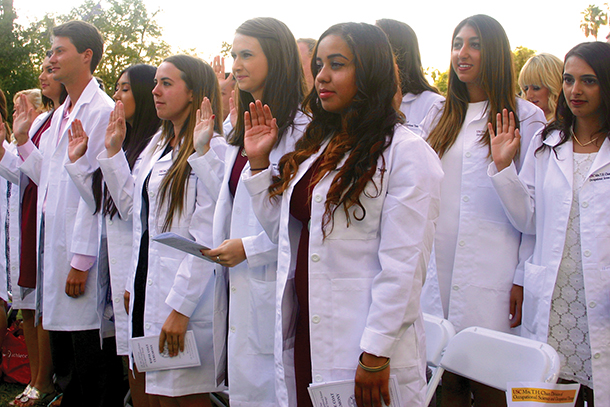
column 70, row 226
column 9, row 170
column 174, row 281
column 487, row 250
column 118, row 235
column 364, row 280
column 416, row 107
column 539, row 200
column 252, row 282
column 10, row 230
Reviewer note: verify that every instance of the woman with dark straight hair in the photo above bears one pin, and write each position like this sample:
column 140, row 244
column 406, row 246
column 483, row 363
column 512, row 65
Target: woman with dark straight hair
column 477, row 255
column 138, row 124
column 561, row 194
column 355, row 179
column 418, row 96
column 267, row 68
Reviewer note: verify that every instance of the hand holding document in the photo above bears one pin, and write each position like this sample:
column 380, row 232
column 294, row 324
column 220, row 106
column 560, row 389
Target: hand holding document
column 183, row 244
column 341, row 393
column 147, row 357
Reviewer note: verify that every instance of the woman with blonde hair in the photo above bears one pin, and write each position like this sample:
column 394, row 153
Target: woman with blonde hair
column 540, row 81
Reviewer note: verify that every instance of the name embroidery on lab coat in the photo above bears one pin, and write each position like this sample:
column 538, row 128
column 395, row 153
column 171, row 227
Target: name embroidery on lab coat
column 600, row 176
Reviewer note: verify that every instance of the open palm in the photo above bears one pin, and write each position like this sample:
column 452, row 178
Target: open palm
column 204, row 127
column 116, row 130
column 260, row 134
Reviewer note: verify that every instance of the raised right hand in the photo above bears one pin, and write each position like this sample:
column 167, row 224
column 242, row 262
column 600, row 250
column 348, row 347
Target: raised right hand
column 261, row 134
column 506, row 141
column 204, row 127
column 22, row 120
column 116, row 130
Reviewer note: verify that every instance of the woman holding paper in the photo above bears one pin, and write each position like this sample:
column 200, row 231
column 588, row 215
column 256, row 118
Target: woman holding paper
column 267, row 68
column 349, row 272
column 168, row 296
column 561, row 195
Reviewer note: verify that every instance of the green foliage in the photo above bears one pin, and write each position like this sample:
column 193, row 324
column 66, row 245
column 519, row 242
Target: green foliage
column 225, row 49
column 520, row 57
column 16, row 70
column 593, row 18
column 439, row 79
column 130, row 32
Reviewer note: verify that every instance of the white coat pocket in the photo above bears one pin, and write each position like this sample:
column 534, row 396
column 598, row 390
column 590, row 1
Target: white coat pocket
column 261, row 329
column 351, row 300
column 534, row 305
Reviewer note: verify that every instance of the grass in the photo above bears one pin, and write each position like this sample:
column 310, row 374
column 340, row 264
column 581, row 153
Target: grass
column 8, row 391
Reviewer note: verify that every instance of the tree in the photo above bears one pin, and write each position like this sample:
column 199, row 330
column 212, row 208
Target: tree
column 439, row 79
column 592, row 19
column 130, row 32
column 520, row 57
column 16, row 70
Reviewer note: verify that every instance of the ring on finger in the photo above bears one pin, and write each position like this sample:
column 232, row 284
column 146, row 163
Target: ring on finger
column 217, row 259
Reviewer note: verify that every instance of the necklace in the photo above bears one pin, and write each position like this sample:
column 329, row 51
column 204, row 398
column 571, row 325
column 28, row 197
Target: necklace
column 243, row 152
column 593, row 140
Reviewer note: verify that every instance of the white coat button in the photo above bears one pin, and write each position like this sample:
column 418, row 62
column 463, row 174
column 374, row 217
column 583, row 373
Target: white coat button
column 233, row 329
column 465, row 199
column 315, row 257
column 318, row 378
column 462, row 243
column 233, row 289
column 468, row 154
column 587, row 253
column 315, row 319
column 110, row 222
column 455, row 287
column 117, row 299
column 113, row 261
column 317, row 198
column 238, row 210
column 278, row 312
column 585, row 204
column 147, row 326
column 151, row 193
column 12, row 209
column 13, row 268
column 150, row 282
column 592, row 304
column 597, row 355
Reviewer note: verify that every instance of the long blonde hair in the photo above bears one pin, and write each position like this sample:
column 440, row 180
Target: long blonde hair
column 544, row 70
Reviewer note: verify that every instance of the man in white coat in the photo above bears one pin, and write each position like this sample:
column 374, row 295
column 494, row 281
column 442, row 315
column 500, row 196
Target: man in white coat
column 74, row 287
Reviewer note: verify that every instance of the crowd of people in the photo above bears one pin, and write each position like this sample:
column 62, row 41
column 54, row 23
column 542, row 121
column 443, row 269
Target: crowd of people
column 339, row 197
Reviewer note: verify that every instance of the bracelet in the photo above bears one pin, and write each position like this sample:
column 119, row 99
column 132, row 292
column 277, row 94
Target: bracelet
column 373, row 369
column 259, row 169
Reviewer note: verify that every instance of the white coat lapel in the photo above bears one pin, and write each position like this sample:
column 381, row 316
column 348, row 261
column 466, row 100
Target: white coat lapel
column 563, row 155
column 602, row 159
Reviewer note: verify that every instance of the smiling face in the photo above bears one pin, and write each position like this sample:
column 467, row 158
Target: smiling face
column 538, row 95
column 171, row 94
column 581, row 88
column 125, row 95
column 466, row 55
column 250, row 66
column 336, row 78
column 48, row 86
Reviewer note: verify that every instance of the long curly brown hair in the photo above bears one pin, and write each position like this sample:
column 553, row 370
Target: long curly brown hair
column 363, row 131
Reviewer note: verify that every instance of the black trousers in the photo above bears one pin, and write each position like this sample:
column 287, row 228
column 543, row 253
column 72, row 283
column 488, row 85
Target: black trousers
column 87, row 374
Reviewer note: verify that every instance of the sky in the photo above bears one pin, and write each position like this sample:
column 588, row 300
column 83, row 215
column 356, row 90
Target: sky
column 541, row 25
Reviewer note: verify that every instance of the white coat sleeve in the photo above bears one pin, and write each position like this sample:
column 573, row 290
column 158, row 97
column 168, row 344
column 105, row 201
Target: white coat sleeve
column 119, row 180
column 210, row 167
column 85, row 237
column 32, row 166
column 260, row 250
column 9, row 165
column 517, row 192
column 267, row 211
column 82, row 178
column 194, row 273
column 406, row 233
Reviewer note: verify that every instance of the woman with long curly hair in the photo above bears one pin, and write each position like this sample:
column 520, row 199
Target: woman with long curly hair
column 349, row 272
